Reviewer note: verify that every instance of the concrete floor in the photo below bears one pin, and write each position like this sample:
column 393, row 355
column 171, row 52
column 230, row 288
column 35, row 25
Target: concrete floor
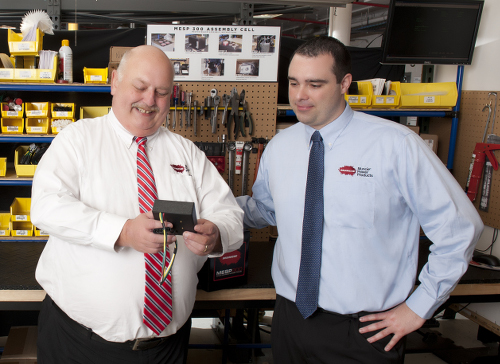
column 453, row 342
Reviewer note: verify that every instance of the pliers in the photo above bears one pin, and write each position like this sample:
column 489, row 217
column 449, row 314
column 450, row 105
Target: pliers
column 244, row 115
column 233, row 115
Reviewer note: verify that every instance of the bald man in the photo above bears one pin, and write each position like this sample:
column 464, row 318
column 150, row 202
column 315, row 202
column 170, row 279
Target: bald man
column 86, row 196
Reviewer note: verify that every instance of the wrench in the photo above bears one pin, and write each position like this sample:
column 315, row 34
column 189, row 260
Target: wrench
column 195, row 105
column 190, row 98
column 247, row 148
column 231, row 150
column 213, row 122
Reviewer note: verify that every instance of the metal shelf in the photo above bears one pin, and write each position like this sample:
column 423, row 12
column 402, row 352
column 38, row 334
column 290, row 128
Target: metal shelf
column 55, row 87
column 23, row 138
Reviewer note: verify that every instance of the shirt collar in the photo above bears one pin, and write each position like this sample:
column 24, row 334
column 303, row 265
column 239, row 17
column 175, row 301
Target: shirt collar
column 331, row 131
column 126, row 136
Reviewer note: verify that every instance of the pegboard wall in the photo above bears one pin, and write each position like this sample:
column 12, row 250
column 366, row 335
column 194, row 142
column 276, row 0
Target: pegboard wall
column 471, row 126
column 262, row 104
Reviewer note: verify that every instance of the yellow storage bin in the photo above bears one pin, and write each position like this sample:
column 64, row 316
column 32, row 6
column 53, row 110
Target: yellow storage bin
column 6, row 74
column 388, row 101
column 3, row 166
column 59, row 124
column 364, row 99
column 12, row 113
column 39, row 232
column 25, row 74
column 20, row 209
column 19, row 48
column 37, row 109
column 67, row 113
column 37, row 125
column 428, row 95
column 12, row 126
column 21, row 228
column 88, row 112
column 95, row 75
column 47, row 75
column 4, row 224
column 23, row 170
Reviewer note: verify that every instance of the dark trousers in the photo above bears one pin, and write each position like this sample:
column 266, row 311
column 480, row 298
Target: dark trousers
column 325, row 337
column 63, row 341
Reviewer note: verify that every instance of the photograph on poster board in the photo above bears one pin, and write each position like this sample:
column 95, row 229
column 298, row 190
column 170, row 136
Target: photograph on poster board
column 247, row 67
column 212, row 66
column 263, row 43
column 163, row 41
column 181, row 66
column 230, row 43
column 196, row 42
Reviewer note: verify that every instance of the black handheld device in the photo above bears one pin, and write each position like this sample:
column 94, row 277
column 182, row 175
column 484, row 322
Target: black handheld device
column 181, row 214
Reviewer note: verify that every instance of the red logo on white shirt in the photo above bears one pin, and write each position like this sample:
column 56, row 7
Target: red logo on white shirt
column 347, row 170
column 178, row 168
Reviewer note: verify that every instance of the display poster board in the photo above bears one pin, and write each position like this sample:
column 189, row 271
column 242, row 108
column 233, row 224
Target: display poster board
column 219, row 53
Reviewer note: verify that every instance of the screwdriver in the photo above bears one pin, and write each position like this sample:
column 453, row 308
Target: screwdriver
column 176, row 101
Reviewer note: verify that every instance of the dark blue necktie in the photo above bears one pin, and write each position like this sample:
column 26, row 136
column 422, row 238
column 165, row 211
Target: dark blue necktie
column 312, row 231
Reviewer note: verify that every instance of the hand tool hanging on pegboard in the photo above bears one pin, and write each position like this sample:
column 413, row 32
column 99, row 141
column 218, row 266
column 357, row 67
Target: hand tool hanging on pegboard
column 176, row 101
column 188, row 117
column 484, row 202
column 215, row 103
column 183, row 102
column 231, row 152
column 233, row 115
column 247, row 148
column 168, row 113
column 195, row 113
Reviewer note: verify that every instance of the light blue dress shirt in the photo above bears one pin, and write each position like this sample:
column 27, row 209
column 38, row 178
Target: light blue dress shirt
column 382, row 182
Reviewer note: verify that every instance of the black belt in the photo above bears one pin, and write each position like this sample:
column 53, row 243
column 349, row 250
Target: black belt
column 350, row 315
column 137, row 344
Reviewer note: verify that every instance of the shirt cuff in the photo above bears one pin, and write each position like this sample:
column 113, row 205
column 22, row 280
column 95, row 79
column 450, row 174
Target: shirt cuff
column 422, row 304
column 108, row 230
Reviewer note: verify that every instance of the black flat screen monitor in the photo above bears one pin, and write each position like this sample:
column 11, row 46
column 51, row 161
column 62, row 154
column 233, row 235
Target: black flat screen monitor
column 431, row 31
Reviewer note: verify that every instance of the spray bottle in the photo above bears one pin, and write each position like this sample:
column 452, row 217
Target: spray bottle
column 65, row 71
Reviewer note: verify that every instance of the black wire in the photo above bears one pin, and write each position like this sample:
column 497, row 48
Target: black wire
column 493, row 240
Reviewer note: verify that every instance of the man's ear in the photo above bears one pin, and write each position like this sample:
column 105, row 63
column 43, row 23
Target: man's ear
column 345, row 83
column 114, row 81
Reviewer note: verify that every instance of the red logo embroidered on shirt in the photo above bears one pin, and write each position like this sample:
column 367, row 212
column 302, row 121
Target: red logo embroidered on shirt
column 178, row 168
column 347, row 170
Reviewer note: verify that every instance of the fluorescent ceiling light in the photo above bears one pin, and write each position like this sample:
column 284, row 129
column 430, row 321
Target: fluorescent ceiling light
column 267, row 16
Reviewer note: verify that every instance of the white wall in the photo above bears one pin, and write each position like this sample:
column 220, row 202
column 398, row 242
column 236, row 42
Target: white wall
column 483, row 74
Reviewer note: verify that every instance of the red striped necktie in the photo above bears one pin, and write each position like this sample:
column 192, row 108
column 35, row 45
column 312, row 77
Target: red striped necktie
column 157, row 299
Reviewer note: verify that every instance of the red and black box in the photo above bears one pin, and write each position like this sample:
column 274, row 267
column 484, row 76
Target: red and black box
column 227, row 271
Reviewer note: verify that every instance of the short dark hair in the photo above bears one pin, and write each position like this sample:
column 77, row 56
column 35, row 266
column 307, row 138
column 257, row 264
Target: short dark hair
column 328, row 45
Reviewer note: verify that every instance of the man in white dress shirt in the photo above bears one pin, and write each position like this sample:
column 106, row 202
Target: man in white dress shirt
column 85, row 195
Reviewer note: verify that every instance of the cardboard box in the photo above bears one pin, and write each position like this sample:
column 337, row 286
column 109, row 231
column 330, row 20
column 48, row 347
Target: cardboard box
column 431, row 140
column 116, row 53
column 21, row 345
column 228, row 271
column 416, row 129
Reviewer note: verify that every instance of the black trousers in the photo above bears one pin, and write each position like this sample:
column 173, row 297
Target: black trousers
column 63, row 341
column 325, row 337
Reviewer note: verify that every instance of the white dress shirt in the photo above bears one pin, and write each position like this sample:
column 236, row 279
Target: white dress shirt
column 85, row 189
column 382, row 182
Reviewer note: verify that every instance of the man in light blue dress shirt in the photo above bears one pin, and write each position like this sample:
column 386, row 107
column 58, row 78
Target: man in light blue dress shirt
column 382, row 183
